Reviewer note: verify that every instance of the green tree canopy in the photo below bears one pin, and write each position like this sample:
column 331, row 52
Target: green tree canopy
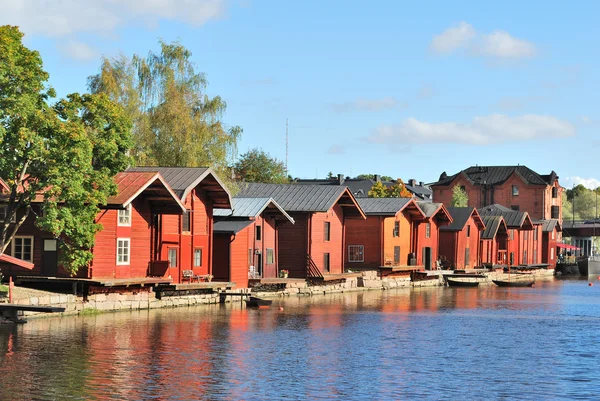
column 175, row 122
column 258, row 166
column 66, row 154
column 583, row 204
column 397, row 190
column 372, row 177
column 459, row 197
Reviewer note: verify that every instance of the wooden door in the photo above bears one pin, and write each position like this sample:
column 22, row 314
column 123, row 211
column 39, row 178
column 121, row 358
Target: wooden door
column 50, row 258
column 396, row 255
column 427, row 257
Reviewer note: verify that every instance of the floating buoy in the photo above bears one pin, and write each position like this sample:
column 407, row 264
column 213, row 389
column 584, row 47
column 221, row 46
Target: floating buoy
column 598, row 277
column 281, row 308
column 590, row 284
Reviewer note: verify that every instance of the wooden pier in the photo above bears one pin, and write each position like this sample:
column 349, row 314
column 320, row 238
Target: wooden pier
column 10, row 312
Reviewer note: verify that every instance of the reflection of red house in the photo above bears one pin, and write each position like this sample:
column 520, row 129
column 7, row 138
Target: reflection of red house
column 246, row 240
column 186, row 241
column 314, row 244
column 428, row 233
column 386, row 237
column 459, row 241
column 524, row 245
column 124, row 248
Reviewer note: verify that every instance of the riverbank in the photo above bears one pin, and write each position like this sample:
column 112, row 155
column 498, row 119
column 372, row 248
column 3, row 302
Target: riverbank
column 159, row 297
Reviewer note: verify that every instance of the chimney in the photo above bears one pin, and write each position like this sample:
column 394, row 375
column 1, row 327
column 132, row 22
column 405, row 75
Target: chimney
column 420, row 183
column 341, row 179
column 377, row 178
column 412, row 182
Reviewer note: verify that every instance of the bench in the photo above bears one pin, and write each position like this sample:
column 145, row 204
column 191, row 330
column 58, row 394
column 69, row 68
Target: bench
column 188, row 275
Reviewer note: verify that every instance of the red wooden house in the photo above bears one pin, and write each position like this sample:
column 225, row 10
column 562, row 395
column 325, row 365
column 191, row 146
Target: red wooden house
column 245, row 240
column 550, row 232
column 494, row 241
column 459, row 241
column 185, row 241
column 428, row 233
column 124, row 248
column 314, row 245
column 386, row 237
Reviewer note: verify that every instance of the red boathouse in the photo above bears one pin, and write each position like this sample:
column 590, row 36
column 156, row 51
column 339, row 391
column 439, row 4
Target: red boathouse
column 459, row 241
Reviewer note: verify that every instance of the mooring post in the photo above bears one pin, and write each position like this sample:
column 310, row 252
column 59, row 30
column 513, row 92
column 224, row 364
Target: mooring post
column 10, row 289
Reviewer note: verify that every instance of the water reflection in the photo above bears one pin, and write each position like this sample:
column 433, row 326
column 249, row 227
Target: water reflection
column 433, row 343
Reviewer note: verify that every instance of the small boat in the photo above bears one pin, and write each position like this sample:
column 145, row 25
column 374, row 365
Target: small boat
column 514, row 283
column 454, row 282
column 254, row 302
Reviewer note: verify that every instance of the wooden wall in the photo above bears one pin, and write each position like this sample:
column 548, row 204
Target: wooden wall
column 369, row 234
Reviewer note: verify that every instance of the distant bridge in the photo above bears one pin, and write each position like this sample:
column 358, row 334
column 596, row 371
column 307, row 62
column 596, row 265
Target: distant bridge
column 581, row 228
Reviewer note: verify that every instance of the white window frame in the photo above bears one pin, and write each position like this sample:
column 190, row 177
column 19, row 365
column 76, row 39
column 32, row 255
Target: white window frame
column 128, row 261
column 176, row 256
column 200, row 262
column 128, row 216
column 270, row 252
column 427, row 230
column 3, row 214
column 515, row 190
column 361, row 253
column 22, row 237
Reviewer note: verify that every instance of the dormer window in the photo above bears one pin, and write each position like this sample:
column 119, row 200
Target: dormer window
column 124, row 218
column 515, row 190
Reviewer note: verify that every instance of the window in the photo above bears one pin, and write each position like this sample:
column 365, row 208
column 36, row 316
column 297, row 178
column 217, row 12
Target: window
column 326, row 262
column 525, row 256
column 463, row 188
column 396, row 255
column 22, row 248
column 427, row 230
column 123, row 251
column 250, row 256
column 258, row 233
column 526, row 235
column 270, row 256
column 511, row 259
column 172, row 255
column 468, row 230
column 512, row 235
column 552, row 253
column 356, row 253
column 536, row 233
column 3, row 210
column 515, row 207
column 125, row 216
column 554, row 192
column 554, row 212
column 327, row 232
column 396, row 232
column 185, row 222
column 515, row 190
column 552, row 234
column 197, row 257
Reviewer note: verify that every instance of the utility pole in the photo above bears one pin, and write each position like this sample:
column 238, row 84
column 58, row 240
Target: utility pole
column 286, row 147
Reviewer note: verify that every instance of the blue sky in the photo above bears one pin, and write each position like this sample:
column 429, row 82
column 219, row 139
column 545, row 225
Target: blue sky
column 396, row 88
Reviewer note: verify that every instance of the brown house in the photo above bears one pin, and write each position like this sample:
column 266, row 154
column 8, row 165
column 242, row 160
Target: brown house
column 515, row 187
column 386, row 237
column 314, row 245
column 245, row 240
column 459, row 241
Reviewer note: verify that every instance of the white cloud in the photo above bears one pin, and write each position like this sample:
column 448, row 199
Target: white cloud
column 78, row 51
column 362, row 104
column 453, row 38
column 336, row 150
column 590, row 183
column 499, row 44
column 62, row 18
column 495, row 128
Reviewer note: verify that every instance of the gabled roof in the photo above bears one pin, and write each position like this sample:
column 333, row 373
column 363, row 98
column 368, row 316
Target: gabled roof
column 15, row 261
column 304, row 198
column 549, row 225
column 251, row 207
column 493, row 175
column 513, row 218
column 460, row 217
column 359, row 187
column 390, row 206
column 419, row 190
column 232, row 226
column 431, row 210
column 132, row 184
column 492, row 225
column 184, row 179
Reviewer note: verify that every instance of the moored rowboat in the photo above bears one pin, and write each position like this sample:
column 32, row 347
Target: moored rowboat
column 454, row 282
column 254, row 302
column 514, row 283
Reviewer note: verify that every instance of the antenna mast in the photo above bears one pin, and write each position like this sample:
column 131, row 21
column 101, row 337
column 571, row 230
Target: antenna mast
column 286, row 146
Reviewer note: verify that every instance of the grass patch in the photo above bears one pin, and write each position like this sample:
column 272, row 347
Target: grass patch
column 90, row 312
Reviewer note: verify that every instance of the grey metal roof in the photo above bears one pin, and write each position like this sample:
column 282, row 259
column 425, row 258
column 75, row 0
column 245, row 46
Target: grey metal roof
column 250, row 207
column 382, row 206
column 296, row 198
column 230, row 225
column 549, row 225
column 492, row 175
column 429, row 208
column 492, row 224
column 512, row 218
column 420, row 191
column 460, row 216
column 184, row 179
column 359, row 187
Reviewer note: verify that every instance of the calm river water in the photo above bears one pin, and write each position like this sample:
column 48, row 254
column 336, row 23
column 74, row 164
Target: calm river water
column 442, row 343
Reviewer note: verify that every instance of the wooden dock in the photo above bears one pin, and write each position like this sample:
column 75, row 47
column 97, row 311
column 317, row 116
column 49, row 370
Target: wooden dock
column 10, row 312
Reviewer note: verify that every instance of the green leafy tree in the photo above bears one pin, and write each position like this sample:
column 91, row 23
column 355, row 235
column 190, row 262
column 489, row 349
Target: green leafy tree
column 175, row 123
column 372, row 177
column 61, row 156
column 459, row 197
column 378, row 190
column 258, row 166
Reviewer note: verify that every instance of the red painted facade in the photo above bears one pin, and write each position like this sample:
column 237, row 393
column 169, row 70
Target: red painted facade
column 428, row 237
column 461, row 247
